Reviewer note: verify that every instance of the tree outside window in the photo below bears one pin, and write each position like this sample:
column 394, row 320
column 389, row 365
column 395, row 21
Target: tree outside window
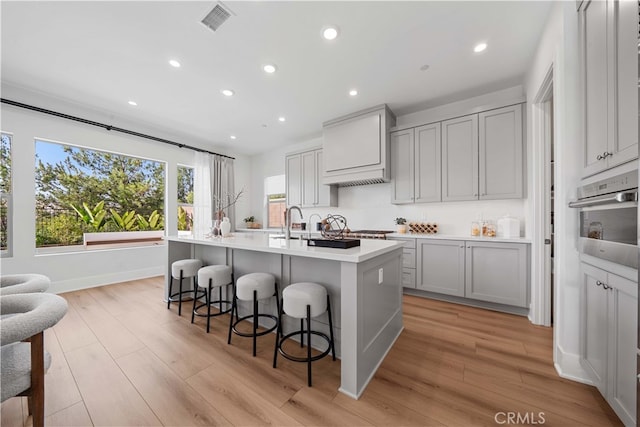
column 185, row 198
column 6, row 217
column 82, row 190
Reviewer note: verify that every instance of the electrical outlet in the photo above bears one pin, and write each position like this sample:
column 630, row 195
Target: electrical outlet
column 380, row 275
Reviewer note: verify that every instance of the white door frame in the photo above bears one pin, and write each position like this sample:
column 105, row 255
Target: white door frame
column 540, row 312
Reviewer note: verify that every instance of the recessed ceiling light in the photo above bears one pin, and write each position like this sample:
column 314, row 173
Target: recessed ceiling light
column 425, row 67
column 330, row 33
column 353, row 92
column 232, row 137
column 480, row 47
column 174, row 63
column 282, row 119
column 269, row 68
column 134, row 103
column 227, row 92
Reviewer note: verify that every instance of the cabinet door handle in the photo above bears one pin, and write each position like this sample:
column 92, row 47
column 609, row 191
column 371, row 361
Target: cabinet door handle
column 599, row 157
column 606, row 154
column 599, row 283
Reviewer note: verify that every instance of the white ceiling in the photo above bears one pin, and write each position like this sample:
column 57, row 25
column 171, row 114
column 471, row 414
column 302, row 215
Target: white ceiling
column 103, row 54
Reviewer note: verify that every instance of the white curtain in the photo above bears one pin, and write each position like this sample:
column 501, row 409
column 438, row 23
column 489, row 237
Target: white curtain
column 213, row 188
column 202, row 194
column 223, row 186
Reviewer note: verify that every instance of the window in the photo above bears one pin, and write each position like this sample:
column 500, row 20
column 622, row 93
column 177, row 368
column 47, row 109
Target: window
column 276, row 200
column 277, row 206
column 80, row 190
column 6, row 216
column 185, row 199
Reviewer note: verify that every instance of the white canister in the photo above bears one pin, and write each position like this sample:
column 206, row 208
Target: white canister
column 225, row 227
column 508, row 227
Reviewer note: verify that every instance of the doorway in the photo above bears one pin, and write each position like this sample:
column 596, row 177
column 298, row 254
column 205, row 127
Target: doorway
column 543, row 276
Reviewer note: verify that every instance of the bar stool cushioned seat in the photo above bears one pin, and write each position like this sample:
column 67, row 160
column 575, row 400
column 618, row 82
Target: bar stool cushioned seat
column 303, row 301
column 11, row 284
column 253, row 287
column 209, row 277
column 183, row 269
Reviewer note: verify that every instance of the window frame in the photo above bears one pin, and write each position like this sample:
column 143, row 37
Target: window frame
column 107, row 246
column 8, row 252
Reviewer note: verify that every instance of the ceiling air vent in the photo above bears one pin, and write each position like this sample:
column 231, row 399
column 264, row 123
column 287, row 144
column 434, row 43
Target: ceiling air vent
column 218, row 15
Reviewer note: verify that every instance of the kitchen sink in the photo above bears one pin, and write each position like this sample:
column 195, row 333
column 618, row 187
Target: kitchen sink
column 282, row 237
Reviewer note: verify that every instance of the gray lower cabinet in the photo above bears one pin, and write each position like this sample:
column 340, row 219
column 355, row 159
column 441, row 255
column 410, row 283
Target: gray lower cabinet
column 608, row 337
column 408, row 263
column 487, row 271
column 441, row 266
column 497, row 272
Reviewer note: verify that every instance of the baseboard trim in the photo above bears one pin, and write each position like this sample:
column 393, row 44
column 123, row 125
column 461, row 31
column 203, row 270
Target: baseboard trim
column 87, row 282
column 568, row 366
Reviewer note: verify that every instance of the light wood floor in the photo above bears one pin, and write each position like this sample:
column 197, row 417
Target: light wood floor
column 121, row 358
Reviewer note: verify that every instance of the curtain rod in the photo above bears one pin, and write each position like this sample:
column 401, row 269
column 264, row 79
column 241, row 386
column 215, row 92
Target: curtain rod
column 107, row 127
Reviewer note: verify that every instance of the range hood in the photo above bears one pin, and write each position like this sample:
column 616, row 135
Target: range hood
column 356, row 148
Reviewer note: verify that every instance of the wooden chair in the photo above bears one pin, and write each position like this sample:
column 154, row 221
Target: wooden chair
column 24, row 317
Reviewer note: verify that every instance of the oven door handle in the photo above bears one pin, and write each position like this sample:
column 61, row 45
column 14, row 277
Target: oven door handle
column 625, row 196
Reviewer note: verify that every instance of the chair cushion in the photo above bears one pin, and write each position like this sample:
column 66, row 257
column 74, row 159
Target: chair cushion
column 24, row 315
column 263, row 283
column 11, row 284
column 16, row 368
column 297, row 296
column 220, row 275
column 189, row 268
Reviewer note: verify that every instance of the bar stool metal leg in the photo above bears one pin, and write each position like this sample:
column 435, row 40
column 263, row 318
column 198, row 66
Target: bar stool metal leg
column 309, row 345
column 255, row 320
column 333, row 347
column 180, row 296
column 170, row 291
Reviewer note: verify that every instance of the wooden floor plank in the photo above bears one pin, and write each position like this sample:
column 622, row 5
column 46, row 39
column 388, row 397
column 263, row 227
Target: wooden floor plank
column 311, row 407
column 171, row 399
column 110, row 332
column 73, row 416
column 60, row 389
column 11, row 412
column 73, row 332
column 133, row 362
column 107, row 393
column 240, row 404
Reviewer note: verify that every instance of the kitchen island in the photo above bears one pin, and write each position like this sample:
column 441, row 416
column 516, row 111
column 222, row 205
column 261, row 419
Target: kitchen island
column 364, row 283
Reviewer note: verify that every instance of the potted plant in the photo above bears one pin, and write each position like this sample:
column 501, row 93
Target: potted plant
column 250, row 221
column 401, row 224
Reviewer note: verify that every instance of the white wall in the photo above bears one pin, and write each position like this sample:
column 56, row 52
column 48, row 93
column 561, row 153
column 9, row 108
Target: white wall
column 369, row 206
column 69, row 271
column 558, row 48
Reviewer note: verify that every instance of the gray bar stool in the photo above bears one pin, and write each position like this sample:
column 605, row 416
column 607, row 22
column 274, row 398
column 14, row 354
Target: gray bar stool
column 11, row 284
column 303, row 301
column 184, row 269
column 253, row 287
column 209, row 277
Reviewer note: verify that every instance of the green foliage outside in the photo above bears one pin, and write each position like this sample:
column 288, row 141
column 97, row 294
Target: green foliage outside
column 5, row 187
column 91, row 191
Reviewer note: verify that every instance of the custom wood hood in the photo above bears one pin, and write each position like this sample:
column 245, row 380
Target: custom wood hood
column 356, row 147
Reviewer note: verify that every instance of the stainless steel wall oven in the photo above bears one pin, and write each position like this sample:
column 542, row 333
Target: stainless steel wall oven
column 609, row 219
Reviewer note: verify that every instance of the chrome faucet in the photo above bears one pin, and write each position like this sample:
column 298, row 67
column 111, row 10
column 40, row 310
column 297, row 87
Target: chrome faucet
column 309, row 224
column 287, row 231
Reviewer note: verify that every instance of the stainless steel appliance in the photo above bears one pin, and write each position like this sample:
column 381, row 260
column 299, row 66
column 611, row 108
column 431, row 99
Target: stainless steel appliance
column 609, row 219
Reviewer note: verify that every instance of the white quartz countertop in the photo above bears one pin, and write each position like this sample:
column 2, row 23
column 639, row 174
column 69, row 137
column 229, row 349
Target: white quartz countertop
column 454, row 237
column 368, row 249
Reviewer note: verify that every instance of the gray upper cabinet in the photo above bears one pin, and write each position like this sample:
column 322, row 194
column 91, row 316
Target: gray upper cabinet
column 500, row 153
column 293, row 173
column 608, row 42
column 402, row 166
column 427, row 167
column 497, row 272
column 415, row 165
column 304, row 181
column 460, row 158
column 440, row 266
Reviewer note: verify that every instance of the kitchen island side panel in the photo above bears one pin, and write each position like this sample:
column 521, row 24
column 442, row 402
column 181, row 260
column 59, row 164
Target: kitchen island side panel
column 371, row 317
